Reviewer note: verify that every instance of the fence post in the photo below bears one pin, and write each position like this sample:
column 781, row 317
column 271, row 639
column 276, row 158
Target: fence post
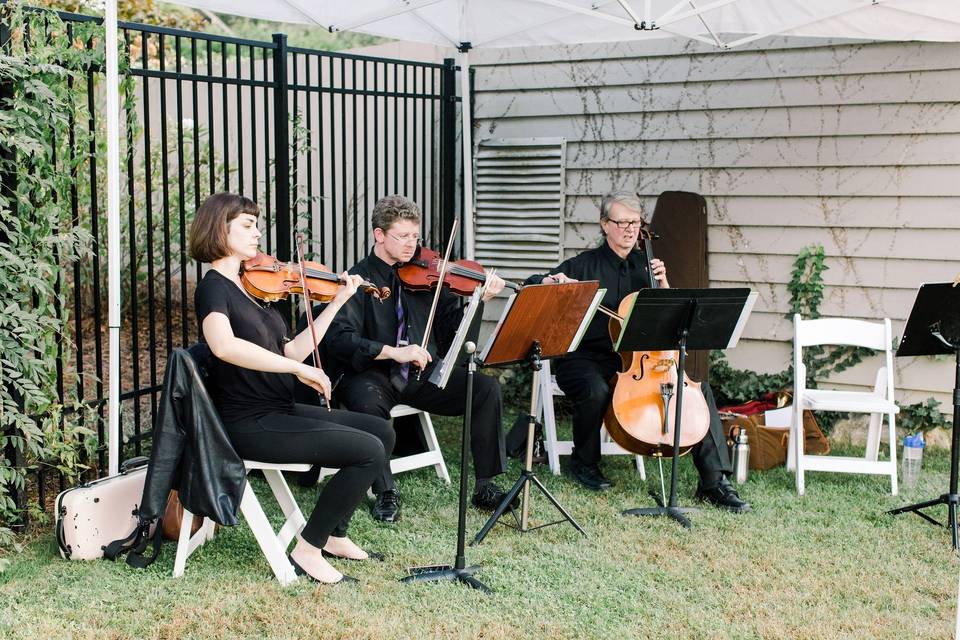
column 448, row 148
column 281, row 155
column 7, row 189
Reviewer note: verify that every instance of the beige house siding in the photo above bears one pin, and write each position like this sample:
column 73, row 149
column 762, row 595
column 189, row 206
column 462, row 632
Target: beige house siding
column 793, row 142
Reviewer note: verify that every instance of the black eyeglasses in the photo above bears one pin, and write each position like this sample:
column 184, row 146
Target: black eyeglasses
column 626, row 224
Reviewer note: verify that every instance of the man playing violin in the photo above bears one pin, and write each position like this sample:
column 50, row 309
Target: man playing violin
column 378, row 349
column 583, row 374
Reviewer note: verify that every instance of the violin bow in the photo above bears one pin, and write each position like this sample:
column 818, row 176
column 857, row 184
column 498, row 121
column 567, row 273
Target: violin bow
column 436, row 294
column 308, row 308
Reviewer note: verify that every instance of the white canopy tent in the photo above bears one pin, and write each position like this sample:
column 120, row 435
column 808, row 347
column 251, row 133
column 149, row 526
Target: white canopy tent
column 472, row 24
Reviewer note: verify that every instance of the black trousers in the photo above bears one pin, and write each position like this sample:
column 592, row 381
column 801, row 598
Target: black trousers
column 371, row 392
column 354, row 443
column 584, row 377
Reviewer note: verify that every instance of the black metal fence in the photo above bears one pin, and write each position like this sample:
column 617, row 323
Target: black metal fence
column 314, row 137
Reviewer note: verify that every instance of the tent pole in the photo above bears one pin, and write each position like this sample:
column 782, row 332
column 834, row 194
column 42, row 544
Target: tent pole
column 466, row 127
column 113, row 236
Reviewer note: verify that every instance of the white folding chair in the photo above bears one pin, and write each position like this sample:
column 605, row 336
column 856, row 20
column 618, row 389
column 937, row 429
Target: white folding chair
column 433, row 456
column 272, row 543
column 556, row 448
column 879, row 402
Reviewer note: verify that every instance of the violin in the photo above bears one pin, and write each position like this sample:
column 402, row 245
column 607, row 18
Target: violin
column 462, row 277
column 268, row 279
column 641, row 412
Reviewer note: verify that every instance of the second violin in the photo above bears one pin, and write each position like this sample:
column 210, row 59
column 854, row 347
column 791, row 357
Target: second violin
column 462, row 277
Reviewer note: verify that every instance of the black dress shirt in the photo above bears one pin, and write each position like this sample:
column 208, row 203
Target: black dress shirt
column 617, row 275
column 363, row 326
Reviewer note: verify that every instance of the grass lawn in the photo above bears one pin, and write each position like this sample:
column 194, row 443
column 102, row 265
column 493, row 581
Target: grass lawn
column 828, row 565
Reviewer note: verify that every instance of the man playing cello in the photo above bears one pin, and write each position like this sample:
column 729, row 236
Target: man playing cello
column 583, row 374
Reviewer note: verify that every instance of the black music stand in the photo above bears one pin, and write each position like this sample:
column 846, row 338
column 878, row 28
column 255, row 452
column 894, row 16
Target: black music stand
column 540, row 322
column 459, row 571
column 678, row 320
column 932, row 329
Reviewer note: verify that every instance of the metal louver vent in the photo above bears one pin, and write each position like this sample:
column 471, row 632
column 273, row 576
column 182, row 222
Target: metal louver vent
column 520, row 202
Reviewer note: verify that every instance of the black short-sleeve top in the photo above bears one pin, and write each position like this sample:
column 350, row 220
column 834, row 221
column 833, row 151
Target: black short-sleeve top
column 239, row 393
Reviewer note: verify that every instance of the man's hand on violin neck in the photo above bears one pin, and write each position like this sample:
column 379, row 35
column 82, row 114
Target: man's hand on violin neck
column 412, row 353
column 495, row 285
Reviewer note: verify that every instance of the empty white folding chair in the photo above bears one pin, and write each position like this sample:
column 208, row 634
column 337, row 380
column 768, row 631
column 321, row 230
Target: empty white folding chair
column 878, row 403
column 556, row 448
column 433, row 456
column 273, row 543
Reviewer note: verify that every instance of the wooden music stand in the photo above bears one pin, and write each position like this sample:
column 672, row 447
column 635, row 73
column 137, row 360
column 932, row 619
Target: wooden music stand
column 539, row 322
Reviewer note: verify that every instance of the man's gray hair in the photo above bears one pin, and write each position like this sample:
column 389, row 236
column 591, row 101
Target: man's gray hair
column 626, row 198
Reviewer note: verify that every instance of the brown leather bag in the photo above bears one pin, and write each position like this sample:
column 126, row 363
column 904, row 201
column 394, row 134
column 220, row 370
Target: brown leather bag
column 173, row 518
column 768, row 445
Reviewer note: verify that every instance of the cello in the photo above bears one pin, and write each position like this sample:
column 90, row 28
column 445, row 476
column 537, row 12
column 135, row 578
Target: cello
column 643, row 405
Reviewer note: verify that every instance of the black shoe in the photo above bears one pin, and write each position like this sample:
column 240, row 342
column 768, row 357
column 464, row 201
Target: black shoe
column 723, row 496
column 386, row 508
column 590, row 476
column 489, row 496
column 300, row 571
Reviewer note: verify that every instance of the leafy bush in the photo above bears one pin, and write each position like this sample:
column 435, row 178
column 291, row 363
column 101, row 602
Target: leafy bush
column 38, row 244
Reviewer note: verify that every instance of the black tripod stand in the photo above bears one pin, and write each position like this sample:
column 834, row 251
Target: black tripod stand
column 526, row 475
column 934, row 328
column 459, row 571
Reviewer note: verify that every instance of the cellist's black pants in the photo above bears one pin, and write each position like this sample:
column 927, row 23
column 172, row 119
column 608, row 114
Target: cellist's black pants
column 371, row 392
column 584, row 378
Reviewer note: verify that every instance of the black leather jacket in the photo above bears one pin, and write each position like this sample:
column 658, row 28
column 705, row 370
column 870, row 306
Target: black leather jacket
column 191, row 449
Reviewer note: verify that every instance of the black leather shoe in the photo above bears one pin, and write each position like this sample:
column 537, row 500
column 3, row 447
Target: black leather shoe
column 723, row 496
column 386, row 508
column 590, row 476
column 489, row 496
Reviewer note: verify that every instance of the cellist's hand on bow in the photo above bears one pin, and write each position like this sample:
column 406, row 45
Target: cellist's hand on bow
column 349, row 287
column 557, row 278
column 495, row 285
column 660, row 272
column 314, row 378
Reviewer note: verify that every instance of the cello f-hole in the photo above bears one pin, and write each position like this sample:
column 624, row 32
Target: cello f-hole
column 642, row 358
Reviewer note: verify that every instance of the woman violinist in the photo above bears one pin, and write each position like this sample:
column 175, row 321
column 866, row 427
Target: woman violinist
column 252, row 383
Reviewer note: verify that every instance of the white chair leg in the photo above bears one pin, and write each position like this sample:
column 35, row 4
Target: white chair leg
column 641, row 469
column 798, row 448
column 275, row 554
column 892, row 431
column 550, row 431
column 873, row 437
column 426, row 425
column 183, row 544
column 293, row 517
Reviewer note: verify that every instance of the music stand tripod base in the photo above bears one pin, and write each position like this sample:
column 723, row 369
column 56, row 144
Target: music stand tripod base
column 933, row 328
column 459, row 571
column 444, row 573
column 527, row 477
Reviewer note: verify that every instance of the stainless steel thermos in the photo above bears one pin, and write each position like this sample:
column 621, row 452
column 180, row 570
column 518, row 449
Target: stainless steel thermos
column 741, row 457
